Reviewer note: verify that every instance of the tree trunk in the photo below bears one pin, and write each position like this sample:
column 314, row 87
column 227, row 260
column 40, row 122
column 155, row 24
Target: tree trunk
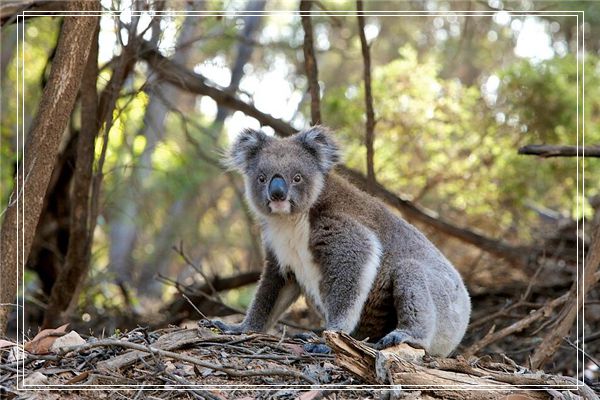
column 41, row 150
column 51, row 239
column 78, row 251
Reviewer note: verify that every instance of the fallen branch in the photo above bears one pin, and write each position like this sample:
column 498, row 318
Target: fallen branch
column 544, row 150
column 446, row 378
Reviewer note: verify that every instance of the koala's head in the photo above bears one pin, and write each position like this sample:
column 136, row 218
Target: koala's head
column 283, row 176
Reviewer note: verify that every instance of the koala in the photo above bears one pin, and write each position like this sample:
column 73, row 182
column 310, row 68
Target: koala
column 368, row 272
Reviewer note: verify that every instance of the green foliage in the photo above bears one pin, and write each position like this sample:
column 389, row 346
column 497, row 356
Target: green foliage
column 441, row 143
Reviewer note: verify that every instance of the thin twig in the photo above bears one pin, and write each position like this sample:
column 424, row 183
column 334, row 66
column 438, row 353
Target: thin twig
column 179, row 250
column 193, row 306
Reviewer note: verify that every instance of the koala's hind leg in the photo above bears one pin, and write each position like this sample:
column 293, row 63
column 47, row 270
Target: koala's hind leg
column 415, row 309
column 348, row 255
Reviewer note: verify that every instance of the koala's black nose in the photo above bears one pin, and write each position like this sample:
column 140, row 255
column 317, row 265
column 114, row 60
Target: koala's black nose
column 277, row 189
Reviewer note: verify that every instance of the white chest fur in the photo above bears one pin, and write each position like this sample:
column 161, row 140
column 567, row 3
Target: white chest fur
column 288, row 238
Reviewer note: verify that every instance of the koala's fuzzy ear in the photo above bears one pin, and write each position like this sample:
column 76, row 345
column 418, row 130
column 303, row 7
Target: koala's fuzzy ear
column 247, row 145
column 319, row 141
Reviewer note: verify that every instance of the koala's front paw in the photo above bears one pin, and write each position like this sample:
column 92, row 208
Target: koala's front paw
column 395, row 337
column 306, row 336
column 233, row 329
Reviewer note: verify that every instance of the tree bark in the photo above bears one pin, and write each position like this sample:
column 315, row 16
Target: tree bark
column 41, row 150
column 78, row 251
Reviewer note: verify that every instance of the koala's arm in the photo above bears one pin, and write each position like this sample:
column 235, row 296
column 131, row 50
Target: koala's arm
column 349, row 255
column 274, row 294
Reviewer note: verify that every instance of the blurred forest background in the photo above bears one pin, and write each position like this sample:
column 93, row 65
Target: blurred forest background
column 454, row 98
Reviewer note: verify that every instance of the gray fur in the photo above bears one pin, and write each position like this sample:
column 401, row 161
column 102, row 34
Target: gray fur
column 366, row 270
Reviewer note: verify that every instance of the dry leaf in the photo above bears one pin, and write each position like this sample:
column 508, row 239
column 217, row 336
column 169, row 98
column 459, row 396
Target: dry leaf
column 42, row 342
column 78, row 378
column 70, row 339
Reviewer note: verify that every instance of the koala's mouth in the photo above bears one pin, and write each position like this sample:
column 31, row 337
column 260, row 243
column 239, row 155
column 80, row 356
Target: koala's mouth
column 280, row 207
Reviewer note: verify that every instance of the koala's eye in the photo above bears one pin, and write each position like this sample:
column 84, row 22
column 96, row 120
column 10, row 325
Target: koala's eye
column 262, row 178
column 297, row 178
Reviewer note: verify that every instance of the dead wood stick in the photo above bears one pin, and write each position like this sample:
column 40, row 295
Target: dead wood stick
column 231, row 371
column 411, row 369
column 518, row 326
column 543, row 150
column 310, row 62
column 370, row 123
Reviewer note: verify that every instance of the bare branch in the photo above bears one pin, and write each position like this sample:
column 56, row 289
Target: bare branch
column 185, row 79
column 10, row 9
column 544, row 150
column 310, row 63
column 370, row 124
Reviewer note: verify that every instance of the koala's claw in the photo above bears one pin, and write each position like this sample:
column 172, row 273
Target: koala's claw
column 316, row 348
column 306, row 336
column 393, row 338
column 226, row 328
